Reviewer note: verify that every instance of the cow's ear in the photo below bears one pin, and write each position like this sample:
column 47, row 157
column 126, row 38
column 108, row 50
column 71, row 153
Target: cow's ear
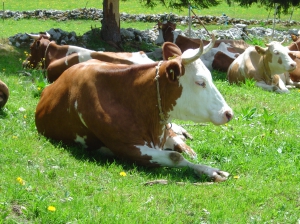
column 260, row 50
column 174, row 70
column 170, row 50
column 294, row 37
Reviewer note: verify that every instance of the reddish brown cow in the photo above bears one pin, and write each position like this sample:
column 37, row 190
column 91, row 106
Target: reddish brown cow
column 219, row 58
column 57, row 62
column 123, row 109
column 56, row 59
column 4, row 94
column 295, row 46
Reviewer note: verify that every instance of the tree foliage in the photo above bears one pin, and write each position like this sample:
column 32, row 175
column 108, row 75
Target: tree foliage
column 283, row 5
column 179, row 4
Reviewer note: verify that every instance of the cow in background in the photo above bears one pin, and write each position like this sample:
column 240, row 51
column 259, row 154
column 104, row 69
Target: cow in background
column 123, row 109
column 262, row 65
column 295, row 46
column 219, row 58
column 55, row 59
column 4, row 94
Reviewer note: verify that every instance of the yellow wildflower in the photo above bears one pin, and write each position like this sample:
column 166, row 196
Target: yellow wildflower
column 123, row 174
column 25, row 116
column 15, row 137
column 236, row 177
column 21, row 181
column 51, row 208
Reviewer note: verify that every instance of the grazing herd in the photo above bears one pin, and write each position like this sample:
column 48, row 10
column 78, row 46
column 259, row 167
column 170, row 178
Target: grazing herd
column 122, row 104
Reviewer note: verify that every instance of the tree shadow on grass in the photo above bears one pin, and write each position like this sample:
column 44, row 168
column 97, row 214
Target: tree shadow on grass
column 172, row 175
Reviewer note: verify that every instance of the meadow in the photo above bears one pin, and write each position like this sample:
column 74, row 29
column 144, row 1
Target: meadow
column 42, row 181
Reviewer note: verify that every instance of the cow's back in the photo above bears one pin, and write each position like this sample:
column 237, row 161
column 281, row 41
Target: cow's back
column 56, row 111
column 90, row 91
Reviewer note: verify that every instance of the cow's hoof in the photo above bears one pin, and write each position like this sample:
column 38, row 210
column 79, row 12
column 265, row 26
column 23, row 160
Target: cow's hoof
column 219, row 176
column 213, row 173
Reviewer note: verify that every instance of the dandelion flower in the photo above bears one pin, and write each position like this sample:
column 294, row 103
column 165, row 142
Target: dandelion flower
column 236, row 177
column 25, row 116
column 123, row 174
column 21, row 181
column 51, row 208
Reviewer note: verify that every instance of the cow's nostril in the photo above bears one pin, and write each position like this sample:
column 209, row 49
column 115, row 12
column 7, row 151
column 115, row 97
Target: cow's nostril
column 229, row 115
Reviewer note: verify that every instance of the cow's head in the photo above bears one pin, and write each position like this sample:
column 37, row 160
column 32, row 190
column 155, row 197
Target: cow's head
column 4, row 94
column 200, row 100
column 165, row 30
column 37, row 50
column 276, row 58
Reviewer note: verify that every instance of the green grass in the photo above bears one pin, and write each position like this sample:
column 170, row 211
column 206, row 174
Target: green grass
column 259, row 147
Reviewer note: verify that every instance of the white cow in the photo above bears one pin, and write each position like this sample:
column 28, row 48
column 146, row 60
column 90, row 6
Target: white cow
column 262, row 64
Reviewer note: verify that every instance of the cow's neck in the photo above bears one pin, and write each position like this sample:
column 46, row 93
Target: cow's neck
column 55, row 52
column 163, row 119
column 266, row 72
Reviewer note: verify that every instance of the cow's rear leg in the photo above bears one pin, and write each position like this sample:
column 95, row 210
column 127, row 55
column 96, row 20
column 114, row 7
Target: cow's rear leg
column 175, row 159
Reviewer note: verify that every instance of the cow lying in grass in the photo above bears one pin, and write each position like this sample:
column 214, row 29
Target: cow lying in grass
column 124, row 109
column 55, row 59
column 262, row 64
column 219, row 57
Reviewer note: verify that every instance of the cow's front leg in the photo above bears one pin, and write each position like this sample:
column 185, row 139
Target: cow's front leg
column 215, row 174
column 175, row 159
column 176, row 135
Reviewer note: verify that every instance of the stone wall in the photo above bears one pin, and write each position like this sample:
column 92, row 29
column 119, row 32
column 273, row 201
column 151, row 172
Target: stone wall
column 97, row 14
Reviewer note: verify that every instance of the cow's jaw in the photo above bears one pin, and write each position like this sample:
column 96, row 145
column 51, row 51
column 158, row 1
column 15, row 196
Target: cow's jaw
column 200, row 100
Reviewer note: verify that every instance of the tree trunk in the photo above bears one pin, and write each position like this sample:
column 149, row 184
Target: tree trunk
column 110, row 30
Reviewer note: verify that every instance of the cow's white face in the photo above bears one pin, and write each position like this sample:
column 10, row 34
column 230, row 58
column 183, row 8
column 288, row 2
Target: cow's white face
column 200, row 100
column 278, row 58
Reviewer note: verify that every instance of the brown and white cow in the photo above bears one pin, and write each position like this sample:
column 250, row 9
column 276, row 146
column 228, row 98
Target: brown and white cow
column 4, row 94
column 261, row 64
column 295, row 46
column 219, row 58
column 60, row 58
column 56, row 59
column 123, row 109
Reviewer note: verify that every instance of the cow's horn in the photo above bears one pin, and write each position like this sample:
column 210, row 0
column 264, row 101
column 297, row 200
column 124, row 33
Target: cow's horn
column 189, row 60
column 210, row 45
column 284, row 39
column 48, row 35
column 200, row 51
column 33, row 36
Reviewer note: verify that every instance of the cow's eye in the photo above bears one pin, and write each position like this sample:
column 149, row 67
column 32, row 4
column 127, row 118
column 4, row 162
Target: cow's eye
column 276, row 52
column 201, row 83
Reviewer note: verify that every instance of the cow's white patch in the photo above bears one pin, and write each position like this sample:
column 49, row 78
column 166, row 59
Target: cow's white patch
column 162, row 157
column 79, row 114
column 140, row 58
column 76, row 105
column 81, row 140
column 81, row 119
column 83, row 54
column 208, row 105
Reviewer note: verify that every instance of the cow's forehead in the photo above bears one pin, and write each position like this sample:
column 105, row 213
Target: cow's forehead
column 274, row 45
column 197, row 68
